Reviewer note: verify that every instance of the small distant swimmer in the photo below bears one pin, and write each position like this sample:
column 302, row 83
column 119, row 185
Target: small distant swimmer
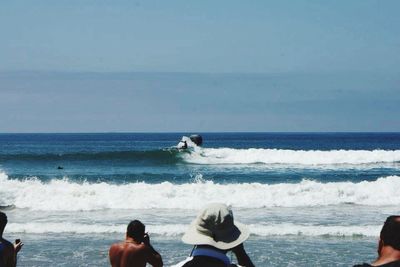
column 60, row 168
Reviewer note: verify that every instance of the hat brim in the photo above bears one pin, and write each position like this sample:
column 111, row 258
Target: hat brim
column 239, row 235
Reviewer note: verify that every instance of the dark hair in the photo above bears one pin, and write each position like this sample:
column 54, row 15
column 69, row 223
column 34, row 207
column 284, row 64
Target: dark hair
column 3, row 221
column 390, row 233
column 136, row 230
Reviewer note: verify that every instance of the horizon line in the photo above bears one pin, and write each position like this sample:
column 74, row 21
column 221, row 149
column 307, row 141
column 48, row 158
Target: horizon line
column 195, row 72
column 206, row 132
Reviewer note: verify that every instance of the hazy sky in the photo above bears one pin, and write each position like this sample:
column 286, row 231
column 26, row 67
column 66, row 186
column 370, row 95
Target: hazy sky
column 205, row 36
column 88, row 65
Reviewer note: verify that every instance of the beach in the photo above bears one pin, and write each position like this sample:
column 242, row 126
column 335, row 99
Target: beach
column 309, row 199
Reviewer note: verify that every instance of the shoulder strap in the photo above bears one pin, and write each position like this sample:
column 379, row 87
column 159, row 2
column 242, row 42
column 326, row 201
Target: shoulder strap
column 211, row 253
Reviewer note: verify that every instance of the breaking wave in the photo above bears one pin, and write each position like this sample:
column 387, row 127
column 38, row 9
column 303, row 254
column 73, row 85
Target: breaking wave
column 280, row 229
column 215, row 156
column 282, row 156
column 67, row 195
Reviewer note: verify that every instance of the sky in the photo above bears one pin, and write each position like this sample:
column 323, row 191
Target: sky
column 100, row 66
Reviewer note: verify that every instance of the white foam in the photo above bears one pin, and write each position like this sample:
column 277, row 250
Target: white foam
column 315, row 230
column 297, row 157
column 172, row 230
column 72, row 196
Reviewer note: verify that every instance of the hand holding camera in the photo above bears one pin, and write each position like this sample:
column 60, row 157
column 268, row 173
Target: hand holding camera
column 18, row 245
column 146, row 239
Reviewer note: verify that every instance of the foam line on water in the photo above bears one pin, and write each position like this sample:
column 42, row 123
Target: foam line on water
column 65, row 195
column 282, row 156
column 169, row 230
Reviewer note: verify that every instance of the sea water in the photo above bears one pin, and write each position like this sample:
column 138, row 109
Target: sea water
column 309, row 199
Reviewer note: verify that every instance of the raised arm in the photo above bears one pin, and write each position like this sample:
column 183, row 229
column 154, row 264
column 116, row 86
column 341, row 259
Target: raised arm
column 242, row 257
column 153, row 257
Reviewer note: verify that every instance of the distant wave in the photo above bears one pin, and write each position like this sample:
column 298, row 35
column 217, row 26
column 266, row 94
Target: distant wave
column 173, row 230
column 67, row 195
column 282, row 156
column 215, row 156
column 158, row 156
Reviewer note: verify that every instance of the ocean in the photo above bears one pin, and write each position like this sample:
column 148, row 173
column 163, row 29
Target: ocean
column 309, row 199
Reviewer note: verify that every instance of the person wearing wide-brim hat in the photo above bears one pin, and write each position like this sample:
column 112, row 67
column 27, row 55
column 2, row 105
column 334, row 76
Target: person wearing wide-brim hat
column 213, row 233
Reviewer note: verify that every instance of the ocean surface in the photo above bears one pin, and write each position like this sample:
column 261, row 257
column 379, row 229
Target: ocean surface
column 309, row 199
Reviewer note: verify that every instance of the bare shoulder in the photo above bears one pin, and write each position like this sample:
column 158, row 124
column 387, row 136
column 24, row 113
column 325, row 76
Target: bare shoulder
column 115, row 253
column 135, row 247
column 116, row 247
column 127, row 247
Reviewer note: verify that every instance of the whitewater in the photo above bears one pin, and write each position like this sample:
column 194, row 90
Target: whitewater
column 176, row 230
column 59, row 194
column 285, row 156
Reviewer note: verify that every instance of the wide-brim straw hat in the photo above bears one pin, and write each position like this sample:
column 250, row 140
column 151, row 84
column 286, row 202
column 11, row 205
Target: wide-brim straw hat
column 215, row 226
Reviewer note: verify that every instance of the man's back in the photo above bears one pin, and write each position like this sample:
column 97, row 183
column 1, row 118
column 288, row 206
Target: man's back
column 131, row 254
column 126, row 254
column 136, row 250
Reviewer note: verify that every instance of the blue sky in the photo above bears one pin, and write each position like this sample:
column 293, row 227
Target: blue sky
column 94, row 65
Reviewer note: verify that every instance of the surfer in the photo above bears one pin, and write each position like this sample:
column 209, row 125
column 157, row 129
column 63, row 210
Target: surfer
column 184, row 146
column 192, row 141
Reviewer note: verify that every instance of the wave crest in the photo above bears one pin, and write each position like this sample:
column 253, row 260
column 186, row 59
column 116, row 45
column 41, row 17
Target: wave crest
column 215, row 156
column 70, row 196
column 173, row 230
column 282, row 156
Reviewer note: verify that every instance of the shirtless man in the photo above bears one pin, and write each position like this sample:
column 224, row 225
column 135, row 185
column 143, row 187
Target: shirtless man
column 8, row 251
column 136, row 250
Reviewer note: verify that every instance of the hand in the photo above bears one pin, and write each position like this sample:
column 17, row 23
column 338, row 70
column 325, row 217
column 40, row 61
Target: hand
column 18, row 245
column 146, row 239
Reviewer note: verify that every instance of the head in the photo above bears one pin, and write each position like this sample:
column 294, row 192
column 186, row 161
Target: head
column 216, row 227
column 3, row 222
column 136, row 230
column 390, row 233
